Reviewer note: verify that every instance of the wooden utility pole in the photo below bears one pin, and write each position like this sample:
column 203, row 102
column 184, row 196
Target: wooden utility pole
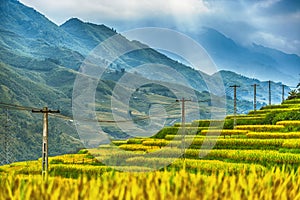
column 254, row 96
column 45, row 112
column 269, row 92
column 282, row 100
column 234, row 104
column 183, row 100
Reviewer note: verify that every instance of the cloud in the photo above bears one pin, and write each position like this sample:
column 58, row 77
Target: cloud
column 265, row 4
column 116, row 10
column 266, row 22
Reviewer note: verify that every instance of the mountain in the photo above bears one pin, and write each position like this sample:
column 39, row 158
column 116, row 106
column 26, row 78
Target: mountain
column 88, row 35
column 30, row 24
column 39, row 62
column 255, row 61
column 287, row 63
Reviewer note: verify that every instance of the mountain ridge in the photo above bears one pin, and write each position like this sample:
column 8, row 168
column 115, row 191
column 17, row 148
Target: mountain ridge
column 38, row 71
column 249, row 61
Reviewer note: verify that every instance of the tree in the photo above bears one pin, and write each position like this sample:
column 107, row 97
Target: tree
column 295, row 93
column 292, row 94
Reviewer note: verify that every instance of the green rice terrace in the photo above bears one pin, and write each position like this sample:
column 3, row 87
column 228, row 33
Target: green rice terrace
column 259, row 158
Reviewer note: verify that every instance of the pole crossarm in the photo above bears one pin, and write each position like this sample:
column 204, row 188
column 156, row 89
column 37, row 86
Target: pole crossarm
column 45, row 110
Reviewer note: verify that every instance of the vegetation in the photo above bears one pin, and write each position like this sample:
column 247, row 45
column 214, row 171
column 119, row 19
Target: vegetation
column 295, row 94
column 274, row 184
column 258, row 161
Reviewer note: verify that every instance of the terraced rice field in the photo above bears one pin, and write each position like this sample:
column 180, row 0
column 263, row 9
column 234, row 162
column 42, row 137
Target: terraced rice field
column 257, row 159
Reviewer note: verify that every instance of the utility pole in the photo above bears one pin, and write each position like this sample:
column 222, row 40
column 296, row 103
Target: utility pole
column 234, row 104
column 45, row 112
column 269, row 92
column 183, row 100
column 282, row 93
column 254, row 96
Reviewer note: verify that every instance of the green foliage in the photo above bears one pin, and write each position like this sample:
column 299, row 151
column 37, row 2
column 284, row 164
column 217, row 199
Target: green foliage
column 292, row 101
column 273, row 117
column 294, row 94
column 201, row 123
column 260, row 128
column 267, row 144
column 166, row 131
column 268, row 107
column 270, row 135
column 223, row 132
column 83, row 151
column 135, row 141
column 56, row 161
column 75, row 171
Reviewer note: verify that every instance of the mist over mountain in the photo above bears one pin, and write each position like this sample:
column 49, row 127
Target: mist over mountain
column 256, row 61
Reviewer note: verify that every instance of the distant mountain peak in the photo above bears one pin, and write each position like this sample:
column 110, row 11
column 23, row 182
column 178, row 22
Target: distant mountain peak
column 78, row 22
column 73, row 20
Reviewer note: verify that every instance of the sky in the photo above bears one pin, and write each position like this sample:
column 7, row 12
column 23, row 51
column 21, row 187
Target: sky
column 271, row 23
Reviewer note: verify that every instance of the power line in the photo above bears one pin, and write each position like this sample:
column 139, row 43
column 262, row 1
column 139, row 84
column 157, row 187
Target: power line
column 64, row 117
column 15, row 107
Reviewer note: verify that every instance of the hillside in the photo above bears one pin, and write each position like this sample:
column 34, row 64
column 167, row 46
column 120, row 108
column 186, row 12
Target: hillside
column 39, row 62
column 260, row 154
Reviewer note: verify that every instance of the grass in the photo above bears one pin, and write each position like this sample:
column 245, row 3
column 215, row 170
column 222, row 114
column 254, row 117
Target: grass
column 255, row 160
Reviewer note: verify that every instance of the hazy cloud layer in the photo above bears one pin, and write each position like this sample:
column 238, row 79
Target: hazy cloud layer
column 272, row 23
